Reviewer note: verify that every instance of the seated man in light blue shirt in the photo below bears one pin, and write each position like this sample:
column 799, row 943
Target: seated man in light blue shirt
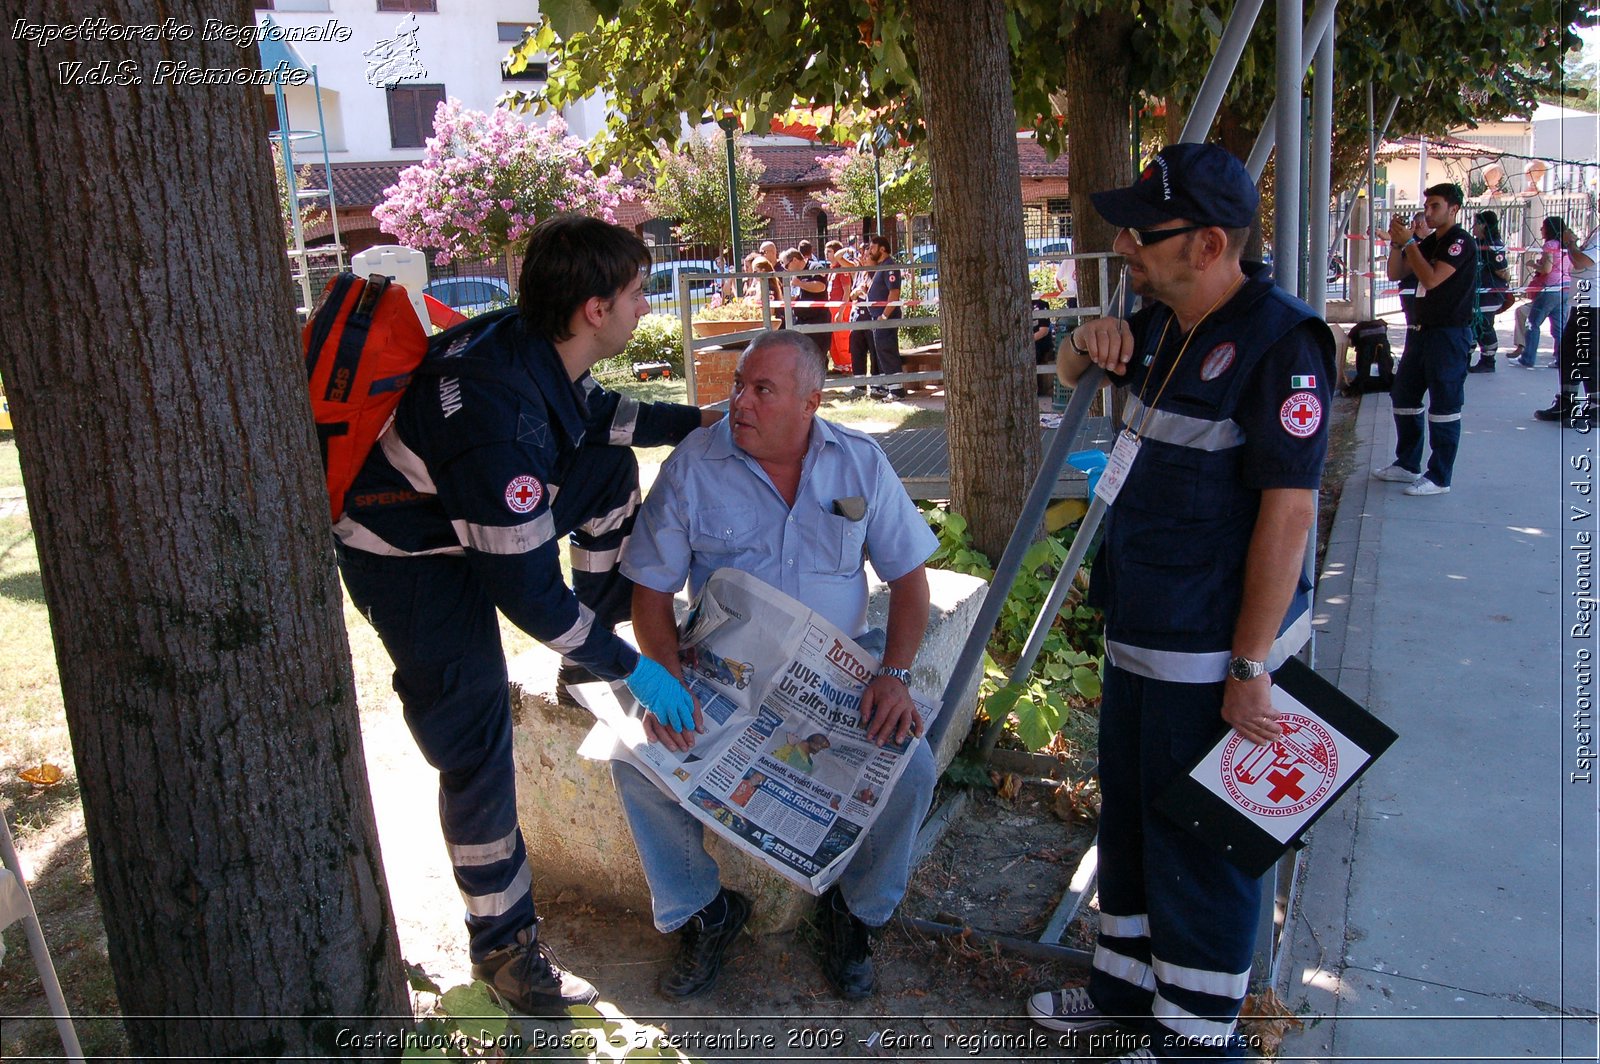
column 777, row 492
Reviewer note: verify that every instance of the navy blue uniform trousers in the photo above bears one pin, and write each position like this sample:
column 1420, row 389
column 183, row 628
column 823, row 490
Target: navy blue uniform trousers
column 438, row 622
column 1178, row 920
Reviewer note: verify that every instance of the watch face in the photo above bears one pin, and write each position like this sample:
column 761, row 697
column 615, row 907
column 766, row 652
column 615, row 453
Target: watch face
column 1242, row 669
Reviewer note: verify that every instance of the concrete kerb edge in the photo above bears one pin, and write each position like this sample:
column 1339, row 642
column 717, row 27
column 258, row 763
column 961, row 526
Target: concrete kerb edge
column 1315, row 925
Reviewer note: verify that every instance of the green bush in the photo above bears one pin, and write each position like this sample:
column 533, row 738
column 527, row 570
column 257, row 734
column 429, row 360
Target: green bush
column 659, row 338
column 1071, row 661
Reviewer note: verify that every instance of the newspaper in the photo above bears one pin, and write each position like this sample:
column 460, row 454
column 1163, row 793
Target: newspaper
column 784, row 769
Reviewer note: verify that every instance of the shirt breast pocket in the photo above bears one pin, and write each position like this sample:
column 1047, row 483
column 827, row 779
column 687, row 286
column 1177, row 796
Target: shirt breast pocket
column 726, row 534
column 835, row 545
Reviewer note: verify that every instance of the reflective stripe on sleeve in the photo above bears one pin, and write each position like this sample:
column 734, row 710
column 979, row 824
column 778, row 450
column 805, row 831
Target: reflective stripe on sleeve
column 574, row 637
column 507, row 539
column 407, row 462
column 486, row 853
column 491, row 905
column 623, row 421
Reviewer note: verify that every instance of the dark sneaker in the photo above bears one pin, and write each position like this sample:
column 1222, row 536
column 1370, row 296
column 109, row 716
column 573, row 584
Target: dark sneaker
column 1483, row 365
column 568, row 676
column 846, row 949
column 525, row 976
column 701, row 947
column 1067, row 1010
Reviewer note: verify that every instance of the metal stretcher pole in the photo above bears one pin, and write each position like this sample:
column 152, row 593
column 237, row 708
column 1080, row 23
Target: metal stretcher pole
column 1058, row 594
column 39, row 950
column 1005, row 574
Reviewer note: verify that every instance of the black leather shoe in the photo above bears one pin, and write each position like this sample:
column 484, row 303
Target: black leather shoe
column 846, row 949
column 526, row 976
column 1483, row 365
column 1560, row 410
column 701, row 948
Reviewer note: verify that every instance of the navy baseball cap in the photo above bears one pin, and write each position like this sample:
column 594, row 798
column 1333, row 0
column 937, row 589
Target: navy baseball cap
column 1202, row 183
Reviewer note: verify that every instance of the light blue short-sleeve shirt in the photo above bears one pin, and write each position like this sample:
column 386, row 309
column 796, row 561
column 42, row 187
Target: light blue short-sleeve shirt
column 713, row 506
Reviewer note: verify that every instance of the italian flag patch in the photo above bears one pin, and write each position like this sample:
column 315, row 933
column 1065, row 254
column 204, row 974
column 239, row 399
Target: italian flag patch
column 1302, row 382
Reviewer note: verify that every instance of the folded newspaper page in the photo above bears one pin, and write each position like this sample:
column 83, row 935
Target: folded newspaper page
column 784, row 770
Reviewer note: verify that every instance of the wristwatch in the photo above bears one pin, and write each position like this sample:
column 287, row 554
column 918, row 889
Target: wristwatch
column 1242, row 669
column 903, row 675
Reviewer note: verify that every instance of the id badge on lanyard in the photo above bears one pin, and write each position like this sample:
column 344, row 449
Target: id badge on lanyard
column 1123, row 452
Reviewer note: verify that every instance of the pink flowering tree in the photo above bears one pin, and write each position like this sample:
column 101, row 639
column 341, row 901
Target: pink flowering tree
column 486, row 179
column 907, row 184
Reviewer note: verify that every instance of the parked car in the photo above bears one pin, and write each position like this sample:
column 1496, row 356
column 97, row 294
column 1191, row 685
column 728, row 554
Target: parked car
column 471, row 295
column 661, row 285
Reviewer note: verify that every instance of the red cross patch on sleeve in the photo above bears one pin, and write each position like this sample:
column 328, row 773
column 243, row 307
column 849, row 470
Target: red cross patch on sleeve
column 523, row 494
column 1301, row 414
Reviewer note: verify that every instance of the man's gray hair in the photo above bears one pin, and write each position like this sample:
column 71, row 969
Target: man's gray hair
column 810, row 372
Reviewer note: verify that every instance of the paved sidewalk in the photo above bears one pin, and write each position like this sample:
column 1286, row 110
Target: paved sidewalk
column 1447, row 905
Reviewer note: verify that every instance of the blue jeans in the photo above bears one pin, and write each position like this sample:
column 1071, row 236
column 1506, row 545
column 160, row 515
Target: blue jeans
column 1549, row 303
column 684, row 879
column 1434, row 362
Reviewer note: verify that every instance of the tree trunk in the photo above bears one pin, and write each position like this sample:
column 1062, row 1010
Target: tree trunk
column 964, row 61
column 1099, row 88
column 161, row 416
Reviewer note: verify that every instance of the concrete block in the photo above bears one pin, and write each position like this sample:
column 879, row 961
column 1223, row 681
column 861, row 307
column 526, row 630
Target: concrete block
column 572, row 821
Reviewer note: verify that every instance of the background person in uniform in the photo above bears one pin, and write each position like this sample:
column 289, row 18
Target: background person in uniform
column 457, row 513
column 811, row 288
column 1494, row 272
column 801, row 503
column 1225, row 380
column 1438, row 340
column 881, row 302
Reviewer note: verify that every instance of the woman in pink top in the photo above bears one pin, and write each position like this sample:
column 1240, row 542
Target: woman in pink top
column 1551, row 302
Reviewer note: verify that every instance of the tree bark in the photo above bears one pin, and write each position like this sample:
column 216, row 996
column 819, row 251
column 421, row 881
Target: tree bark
column 964, row 62
column 1099, row 89
column 161, row 416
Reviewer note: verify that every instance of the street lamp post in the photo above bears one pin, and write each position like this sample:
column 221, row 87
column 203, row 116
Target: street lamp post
column 730, row 122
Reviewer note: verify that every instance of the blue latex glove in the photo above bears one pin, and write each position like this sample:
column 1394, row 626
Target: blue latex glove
column 1090, row 462
column 659, row 692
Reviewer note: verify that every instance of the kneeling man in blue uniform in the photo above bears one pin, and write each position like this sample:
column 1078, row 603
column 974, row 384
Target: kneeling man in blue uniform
column 457, row 514
column 1200, row 576
column 777, row 492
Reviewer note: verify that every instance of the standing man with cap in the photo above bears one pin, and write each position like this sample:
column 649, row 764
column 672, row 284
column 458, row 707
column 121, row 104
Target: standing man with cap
column 1441, row 267
column 1201, row 578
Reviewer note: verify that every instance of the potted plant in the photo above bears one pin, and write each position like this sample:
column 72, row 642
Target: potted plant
column 738, row 316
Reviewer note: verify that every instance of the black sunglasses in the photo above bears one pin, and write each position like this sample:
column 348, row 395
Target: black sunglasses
column 1146, row 237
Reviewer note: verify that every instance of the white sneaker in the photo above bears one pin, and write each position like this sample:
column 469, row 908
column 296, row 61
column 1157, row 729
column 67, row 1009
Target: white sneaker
column 1424, row 486
column 1396, row 474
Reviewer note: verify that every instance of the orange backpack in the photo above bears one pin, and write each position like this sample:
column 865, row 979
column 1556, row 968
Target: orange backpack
column 362, row 346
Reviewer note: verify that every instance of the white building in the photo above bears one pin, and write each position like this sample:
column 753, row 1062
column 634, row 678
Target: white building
column 382, row 66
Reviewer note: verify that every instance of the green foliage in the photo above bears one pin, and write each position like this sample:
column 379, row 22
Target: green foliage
column 465, row 1023
column 1069, row 662
column 907, row 183
column 658, row 338
column 692, row 189
column 966, row 772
